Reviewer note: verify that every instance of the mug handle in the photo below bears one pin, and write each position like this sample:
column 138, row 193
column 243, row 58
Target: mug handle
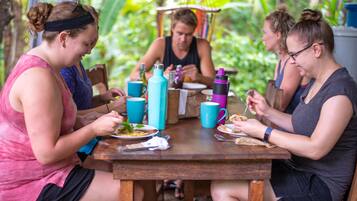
column 225, row 114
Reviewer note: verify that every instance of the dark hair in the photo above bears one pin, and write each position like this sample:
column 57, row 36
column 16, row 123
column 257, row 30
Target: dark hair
column 281, row 21
column 313, row 28
column 186, row 16
column 41, row 13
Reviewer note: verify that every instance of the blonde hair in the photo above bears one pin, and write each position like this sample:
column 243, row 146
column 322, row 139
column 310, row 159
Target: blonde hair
column 281, row 21
column 186, row 16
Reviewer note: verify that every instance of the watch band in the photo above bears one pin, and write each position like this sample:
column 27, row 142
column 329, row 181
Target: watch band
column 267, row 134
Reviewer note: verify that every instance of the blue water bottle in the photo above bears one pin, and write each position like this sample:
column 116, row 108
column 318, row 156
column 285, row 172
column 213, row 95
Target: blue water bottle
column 157, row 98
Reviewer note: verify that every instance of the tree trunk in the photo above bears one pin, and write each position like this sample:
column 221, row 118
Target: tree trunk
column 5, row 15
column 14, row 42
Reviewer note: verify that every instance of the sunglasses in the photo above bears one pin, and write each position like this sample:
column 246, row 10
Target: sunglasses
column 293, row 55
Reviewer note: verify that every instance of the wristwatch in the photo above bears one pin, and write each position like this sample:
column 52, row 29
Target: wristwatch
column 267, row 134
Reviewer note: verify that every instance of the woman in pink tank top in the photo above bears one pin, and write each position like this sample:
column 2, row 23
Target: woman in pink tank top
column 38, row 134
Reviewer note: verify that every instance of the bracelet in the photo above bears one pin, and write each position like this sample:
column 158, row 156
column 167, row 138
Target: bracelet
column 107, row 107
column 267, row 134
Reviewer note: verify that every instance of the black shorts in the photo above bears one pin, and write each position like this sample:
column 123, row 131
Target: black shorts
column 76, row 184
column 293, row 185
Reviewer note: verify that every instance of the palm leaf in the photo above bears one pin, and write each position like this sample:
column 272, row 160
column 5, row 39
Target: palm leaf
column 109, row 15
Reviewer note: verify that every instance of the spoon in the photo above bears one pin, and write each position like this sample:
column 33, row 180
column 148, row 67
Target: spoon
column 221, row 138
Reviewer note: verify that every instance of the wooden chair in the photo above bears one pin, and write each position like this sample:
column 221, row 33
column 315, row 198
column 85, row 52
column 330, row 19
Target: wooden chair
column 352, row 195
column 99, row 78
column 274, row 97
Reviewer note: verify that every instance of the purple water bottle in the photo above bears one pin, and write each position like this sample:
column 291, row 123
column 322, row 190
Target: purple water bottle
column 220, row 92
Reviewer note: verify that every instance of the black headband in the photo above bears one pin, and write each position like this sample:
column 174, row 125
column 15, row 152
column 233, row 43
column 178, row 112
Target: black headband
column 76, row 22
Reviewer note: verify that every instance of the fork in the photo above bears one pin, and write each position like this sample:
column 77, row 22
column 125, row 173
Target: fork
column 221, row 138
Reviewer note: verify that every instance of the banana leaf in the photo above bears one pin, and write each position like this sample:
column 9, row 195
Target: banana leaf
column 109, row 15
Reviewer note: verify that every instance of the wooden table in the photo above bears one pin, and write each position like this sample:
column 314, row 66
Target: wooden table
column 194, row 155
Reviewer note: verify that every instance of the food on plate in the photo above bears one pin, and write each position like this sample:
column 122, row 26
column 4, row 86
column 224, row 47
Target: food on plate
column 187, row 79
column 252, row 141
column 134, row 133
column 227, row 129
column 128, row 129
column 237, row 117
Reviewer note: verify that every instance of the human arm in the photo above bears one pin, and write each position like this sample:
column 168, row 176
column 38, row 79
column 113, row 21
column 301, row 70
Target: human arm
column 41, row 103
column 119, row 105
column 111, row 94
column 257, row 103
column 335, row 115
column 154, row 53
column 207, row 68
column 290, row 83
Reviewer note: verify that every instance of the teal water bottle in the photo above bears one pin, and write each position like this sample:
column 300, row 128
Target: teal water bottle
column 157, row 98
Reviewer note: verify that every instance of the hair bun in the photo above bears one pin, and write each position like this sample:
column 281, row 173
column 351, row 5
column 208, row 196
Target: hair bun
column 38, row 15
column 313, row 15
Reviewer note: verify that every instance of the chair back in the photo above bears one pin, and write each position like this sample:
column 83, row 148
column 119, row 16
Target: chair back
column 206, row 17
column 274, row 97
column 99, row 77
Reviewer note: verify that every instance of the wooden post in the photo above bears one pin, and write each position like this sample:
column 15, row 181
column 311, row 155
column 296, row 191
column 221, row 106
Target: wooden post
column 126, row 191
column 256, row 190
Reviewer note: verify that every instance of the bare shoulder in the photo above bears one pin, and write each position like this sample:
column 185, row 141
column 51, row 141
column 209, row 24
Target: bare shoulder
column 203, row 47
column 203, row 43
column 159, row 42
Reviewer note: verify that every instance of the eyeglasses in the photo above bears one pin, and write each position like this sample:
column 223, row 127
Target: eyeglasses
column 293, row 55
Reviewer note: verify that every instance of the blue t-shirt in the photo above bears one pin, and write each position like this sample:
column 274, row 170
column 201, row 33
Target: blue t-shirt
column 294, row 102
column 81, row 89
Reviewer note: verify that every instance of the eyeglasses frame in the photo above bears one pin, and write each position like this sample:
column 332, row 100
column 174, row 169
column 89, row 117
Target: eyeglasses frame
column 293, row 55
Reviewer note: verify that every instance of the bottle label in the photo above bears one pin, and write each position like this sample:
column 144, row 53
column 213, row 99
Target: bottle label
column 221, row 89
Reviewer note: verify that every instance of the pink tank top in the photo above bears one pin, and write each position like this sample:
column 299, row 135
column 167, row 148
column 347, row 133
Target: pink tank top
column 22, row 177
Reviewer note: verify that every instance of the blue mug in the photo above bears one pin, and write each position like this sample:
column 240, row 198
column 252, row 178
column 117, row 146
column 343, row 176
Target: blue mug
column 136, row 88
column 135, row 108
column 209, row 113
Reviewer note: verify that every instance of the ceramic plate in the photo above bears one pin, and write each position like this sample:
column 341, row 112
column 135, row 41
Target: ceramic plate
column 191, row 85
column 151, row 131
column 228, row 128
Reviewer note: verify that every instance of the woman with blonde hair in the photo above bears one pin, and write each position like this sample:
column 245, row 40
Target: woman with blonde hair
column 287, row 77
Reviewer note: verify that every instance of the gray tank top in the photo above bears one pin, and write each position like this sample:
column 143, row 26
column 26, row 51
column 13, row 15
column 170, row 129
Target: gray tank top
column 336, row 168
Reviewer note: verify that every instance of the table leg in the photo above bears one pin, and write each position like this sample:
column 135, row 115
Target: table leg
column 126, row 191
column 256, row 190
column 188, row 190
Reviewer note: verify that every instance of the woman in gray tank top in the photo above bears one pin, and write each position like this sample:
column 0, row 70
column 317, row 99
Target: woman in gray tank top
column 321, row 134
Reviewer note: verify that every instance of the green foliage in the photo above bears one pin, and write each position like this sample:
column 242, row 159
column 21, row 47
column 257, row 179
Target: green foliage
column 332, row 11
column 128, row 41
column 236, row 41
column 109, row 14
column 255, row 65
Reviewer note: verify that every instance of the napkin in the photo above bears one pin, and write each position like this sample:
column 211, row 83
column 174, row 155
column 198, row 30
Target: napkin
column 159, row 143
column 155, row 143
column 183, row 100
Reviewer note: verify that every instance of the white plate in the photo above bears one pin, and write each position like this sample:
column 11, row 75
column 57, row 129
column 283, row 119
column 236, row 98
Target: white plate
column 191, row 85
column 228, row 128
column 146, row 127
column 208, row 92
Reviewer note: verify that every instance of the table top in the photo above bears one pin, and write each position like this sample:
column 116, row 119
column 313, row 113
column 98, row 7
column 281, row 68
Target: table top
column 189, row 141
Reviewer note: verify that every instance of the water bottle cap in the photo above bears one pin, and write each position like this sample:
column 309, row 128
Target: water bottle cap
column 220, row 72
column 159, row 66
